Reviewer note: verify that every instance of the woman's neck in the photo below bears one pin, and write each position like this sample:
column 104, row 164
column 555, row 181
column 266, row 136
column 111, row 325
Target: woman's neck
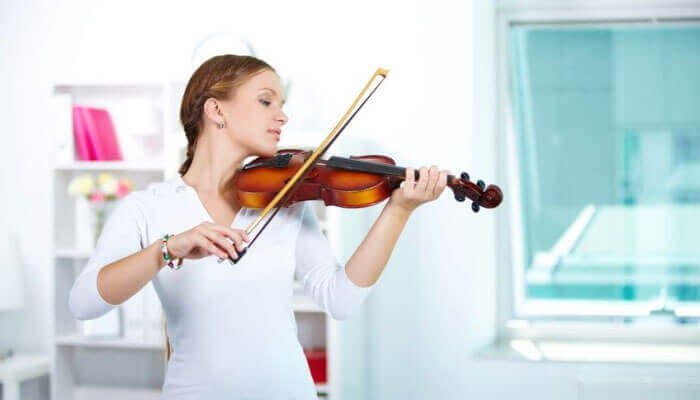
column 214, row 165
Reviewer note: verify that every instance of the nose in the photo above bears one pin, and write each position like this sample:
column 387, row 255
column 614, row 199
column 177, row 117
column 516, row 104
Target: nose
column 282, row 117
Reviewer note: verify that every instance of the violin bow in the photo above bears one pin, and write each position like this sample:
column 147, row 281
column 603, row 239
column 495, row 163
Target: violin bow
column 291, row 186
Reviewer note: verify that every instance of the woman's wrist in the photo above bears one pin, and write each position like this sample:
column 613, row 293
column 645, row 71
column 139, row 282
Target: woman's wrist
column 168, row 257
column 156, row 248
column 401, row 211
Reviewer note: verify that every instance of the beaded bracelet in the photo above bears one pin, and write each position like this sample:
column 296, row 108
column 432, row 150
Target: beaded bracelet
column 166, row 254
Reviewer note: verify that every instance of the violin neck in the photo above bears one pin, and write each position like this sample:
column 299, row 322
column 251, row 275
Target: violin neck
column 350, row 164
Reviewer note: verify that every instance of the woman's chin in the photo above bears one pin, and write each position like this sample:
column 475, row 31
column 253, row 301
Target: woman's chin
column 270, row 151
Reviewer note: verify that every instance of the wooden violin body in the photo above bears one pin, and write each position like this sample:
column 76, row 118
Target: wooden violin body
column 354, row 182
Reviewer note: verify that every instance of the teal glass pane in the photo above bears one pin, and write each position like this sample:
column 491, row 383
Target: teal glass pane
column 607, row 126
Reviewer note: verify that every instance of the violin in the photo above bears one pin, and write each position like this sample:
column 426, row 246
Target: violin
column 354, row 182
column 294, row 175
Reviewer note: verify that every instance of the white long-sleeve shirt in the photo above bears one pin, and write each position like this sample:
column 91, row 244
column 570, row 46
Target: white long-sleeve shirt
column 231, row 326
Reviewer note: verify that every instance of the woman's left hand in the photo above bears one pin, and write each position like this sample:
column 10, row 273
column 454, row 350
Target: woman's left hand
column 411, row 194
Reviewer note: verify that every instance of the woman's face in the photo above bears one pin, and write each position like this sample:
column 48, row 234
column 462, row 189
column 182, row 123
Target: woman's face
column 255, row 113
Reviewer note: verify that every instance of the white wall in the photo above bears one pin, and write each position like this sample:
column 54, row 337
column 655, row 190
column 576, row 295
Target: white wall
column 435, row 303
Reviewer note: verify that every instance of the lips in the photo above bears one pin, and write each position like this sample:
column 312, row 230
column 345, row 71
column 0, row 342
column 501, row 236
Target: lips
column 275, row 132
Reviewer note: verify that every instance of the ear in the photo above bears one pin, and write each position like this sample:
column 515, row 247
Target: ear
column 212, row 111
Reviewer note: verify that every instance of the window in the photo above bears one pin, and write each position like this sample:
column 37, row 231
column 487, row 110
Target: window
column 606, row 127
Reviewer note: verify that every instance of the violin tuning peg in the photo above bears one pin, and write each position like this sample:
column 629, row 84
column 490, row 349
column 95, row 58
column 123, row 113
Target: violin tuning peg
column 475, row 206
column 459, row 197
column 465, row 176
column 480, row 184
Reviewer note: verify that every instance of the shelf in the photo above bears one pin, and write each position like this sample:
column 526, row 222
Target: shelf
column 110, row 166
column 119, row 343
column 76, row 254
column 84, row 392
column 302, row 302
column 90, row 392
column 322, row 388
column 67, row 87
column 305, row 304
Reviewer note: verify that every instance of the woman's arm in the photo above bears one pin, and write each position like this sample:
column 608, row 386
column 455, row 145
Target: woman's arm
column 370, row 258
column 341, row 290
column 120, row 265
column 121, row 237
column 120, row 280
column 367, row 263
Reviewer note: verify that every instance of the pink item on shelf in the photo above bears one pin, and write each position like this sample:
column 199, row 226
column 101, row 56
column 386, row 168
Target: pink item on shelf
column 80, row 135
column 95, row 138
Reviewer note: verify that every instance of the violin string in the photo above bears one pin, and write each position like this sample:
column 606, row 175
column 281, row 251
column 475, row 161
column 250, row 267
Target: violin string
column 305, row 173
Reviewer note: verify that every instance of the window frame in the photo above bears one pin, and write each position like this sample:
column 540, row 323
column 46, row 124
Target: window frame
column 516, row 317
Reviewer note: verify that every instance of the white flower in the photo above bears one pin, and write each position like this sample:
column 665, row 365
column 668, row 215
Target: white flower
column 107, row 183
column 81, row 185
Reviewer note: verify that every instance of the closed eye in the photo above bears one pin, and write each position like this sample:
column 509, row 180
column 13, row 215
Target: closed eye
column 265, row 102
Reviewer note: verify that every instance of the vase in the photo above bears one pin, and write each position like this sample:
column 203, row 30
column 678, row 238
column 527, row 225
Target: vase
column 101, row 211
column 90, row 218
column 84, row 224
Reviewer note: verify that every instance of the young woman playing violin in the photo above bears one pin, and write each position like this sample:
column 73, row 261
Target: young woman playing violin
column 231, row 329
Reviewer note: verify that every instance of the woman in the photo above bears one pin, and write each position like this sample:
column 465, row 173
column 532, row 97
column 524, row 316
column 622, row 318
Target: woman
column 232, row 329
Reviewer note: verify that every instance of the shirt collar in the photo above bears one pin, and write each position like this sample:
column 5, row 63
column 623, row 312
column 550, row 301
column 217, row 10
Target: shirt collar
column 177, row 184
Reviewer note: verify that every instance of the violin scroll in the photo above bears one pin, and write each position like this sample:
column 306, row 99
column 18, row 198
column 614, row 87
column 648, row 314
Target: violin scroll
column 479, row 193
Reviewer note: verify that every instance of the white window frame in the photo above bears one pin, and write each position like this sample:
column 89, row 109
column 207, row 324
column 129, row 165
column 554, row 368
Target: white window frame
column 559, row 319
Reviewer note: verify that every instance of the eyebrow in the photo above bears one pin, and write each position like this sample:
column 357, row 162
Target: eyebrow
column 273, row 91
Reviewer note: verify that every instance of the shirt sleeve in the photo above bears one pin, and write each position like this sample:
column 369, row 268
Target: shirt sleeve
column 120, row 237
column 322, row 276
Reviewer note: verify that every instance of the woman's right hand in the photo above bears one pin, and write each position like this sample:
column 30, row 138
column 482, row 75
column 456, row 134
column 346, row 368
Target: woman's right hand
column 206, row 239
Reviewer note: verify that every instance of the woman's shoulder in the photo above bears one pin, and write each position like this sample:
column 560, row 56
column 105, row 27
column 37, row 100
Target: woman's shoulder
column 153, row 194
column 167, row 188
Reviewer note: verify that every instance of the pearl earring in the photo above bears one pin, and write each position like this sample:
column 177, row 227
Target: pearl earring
column 221, row 125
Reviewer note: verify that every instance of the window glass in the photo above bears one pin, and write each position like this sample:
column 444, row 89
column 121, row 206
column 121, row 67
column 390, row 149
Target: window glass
column 607, row 128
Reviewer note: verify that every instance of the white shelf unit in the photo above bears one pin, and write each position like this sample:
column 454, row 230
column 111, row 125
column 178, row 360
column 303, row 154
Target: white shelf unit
column 109, row 166
column 134, row 367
